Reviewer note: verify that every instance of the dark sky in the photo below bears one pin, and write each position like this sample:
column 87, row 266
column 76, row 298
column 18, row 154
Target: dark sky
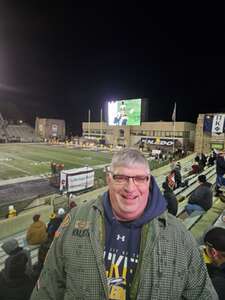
column 58, row 58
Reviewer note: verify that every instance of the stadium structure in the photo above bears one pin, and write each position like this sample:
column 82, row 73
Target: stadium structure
column 50, row 128
column 155, row 135
column 210, row 131
column 128, row 125
column 21, row 132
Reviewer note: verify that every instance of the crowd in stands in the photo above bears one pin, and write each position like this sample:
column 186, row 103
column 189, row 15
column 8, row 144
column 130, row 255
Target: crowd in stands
column 201, row 198
column 19, row 276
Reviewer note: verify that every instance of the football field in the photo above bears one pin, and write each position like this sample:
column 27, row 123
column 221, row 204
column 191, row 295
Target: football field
column 18, row 160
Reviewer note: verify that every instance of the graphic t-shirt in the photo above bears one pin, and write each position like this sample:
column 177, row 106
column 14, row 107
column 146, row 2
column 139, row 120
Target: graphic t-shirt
column 122, row 244
column 121, row 258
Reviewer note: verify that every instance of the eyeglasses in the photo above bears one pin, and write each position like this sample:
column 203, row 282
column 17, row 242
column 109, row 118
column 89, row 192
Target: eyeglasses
column 137, row 180
column 209, row 244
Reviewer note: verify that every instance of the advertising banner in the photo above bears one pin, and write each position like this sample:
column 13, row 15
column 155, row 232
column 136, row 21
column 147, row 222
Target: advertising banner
column 218, row 124
column 158, row 141
column 76, row 179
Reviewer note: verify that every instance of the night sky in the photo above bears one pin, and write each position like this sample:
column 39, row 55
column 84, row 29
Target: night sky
column 58, row 59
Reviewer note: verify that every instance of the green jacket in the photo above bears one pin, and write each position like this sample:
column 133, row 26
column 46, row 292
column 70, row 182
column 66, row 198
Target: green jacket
column 170, row 265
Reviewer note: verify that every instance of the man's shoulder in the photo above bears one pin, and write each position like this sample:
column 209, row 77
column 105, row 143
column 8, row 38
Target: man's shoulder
column 176, row 228
column 87, row 207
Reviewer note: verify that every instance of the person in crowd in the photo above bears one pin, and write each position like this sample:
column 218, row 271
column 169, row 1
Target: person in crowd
column 220, row 171
column 178, row 177
column 11, row 212
column 119, row 245
column 202, row 162
column 55, row 221
column 195, row 169
column 172, row 164
column 51, row 226
column 15, row 284
column 170, row 197
column 72, row 205
column 36, row 233
column 210, row 161
column 175, row 175
column 170, row 179
column 12, row 249
column 72, row 198
column 42, row 253
column 201, row 198
column 214, row 241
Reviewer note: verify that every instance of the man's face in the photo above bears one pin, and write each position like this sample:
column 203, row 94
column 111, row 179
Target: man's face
column 129, row 199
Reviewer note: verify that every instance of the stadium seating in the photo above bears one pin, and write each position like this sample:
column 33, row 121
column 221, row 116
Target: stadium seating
column 20, row 237
column 20, row 133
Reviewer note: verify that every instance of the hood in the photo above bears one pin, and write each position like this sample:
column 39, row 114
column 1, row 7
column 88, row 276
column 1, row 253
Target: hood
column 37, row 224
column 156, row 205
column 10, row 245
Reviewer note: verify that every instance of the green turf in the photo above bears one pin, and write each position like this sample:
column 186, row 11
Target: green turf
column 17, row 160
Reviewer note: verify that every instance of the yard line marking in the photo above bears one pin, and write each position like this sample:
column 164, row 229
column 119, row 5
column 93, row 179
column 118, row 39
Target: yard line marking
column 13, row 167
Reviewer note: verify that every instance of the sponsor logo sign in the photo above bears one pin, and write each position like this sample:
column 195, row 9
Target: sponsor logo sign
column 158, row 141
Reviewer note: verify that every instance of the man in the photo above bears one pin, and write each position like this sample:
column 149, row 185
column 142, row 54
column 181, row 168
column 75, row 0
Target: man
column 201, row 198
column 214, row 241
column 220, row 171
column 13, row 250
column 125, row 245
column 172, row 204
column 36, row 233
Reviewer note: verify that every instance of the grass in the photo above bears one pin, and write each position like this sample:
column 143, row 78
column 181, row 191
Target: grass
column 19, row 160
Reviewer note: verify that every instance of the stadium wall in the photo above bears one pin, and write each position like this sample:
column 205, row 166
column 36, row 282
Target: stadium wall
column 50, row 128
column 159, row 135
column 210, row 132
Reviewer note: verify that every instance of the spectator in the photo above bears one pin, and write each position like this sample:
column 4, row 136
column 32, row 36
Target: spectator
column 118, row 247
column 42, row 253
column 220, row 171
column 170, row 198
column 36, row 233
column 55, row 221
column 11, row 212
column 52, row 225
column 15, row 284
column 214, row 241
column 195, row 169
column 61, row 213
column 210, row 161
column 12, row 249
column 72, row 205
column 201, row 198
column 197, row 158
column 202, row 162
column 170, row 179
column 172, row 164
column 175, row 175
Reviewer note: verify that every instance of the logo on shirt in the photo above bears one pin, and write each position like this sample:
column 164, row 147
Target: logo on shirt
column 120, row 237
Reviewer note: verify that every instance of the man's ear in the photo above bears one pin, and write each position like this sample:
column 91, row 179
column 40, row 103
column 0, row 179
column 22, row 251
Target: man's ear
column 107, row 177
column 214, row 252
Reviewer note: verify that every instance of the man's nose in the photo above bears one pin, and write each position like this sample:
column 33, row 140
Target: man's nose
column 130, row 184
